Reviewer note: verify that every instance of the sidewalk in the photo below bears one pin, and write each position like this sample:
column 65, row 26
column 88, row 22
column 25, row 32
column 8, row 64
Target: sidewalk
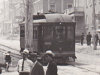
column 87, row 49
column 12, row 71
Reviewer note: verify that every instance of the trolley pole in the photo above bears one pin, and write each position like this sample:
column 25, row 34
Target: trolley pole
column 94, row 27
column 29, row 25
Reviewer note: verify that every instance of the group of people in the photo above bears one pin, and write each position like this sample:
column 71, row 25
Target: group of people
column 27, row 66
column 89, row 39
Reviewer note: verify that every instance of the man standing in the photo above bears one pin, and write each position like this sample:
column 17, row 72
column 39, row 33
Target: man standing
column 37, row 67
column 0, row 70
column 82, row 38
column 96, row 39
column 99, row 38
column 88, row 38
column 7, row 60
column 52, row 66
column 24, row 65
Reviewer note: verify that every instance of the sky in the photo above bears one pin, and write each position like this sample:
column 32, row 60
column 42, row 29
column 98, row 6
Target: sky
column 1, row 3
column 3, row 0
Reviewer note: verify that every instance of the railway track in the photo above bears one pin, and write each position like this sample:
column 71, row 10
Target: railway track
column 14, row 52
column 86, row 69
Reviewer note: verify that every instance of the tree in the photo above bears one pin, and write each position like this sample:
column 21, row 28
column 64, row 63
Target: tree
column 94, row 27
column 29, row 25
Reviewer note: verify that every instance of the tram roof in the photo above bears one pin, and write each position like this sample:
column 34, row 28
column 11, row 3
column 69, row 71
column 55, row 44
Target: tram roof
column 58, row 18
column 53, row 18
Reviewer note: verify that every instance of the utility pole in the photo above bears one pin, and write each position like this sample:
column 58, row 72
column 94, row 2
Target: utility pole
column 75, row 6
column 29, row 25
column 3, row 19
column 94, row 26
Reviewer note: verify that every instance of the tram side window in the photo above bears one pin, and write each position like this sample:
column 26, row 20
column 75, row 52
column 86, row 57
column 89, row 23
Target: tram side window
column 47, row 32
column 35, row 33
column 70, row 33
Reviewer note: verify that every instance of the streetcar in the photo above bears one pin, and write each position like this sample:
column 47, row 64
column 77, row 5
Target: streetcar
column 54, row 32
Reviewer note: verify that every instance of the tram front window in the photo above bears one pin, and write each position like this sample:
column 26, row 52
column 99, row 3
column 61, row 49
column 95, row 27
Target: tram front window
column 48, row 33
column 60, row 32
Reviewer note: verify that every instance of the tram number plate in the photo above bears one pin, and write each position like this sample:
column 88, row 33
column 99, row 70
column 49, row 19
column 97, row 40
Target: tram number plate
column 47, row 43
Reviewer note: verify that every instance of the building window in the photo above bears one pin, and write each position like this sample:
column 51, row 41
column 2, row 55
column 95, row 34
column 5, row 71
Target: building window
column 69, row 6
column 35, row 32
column 52, row 7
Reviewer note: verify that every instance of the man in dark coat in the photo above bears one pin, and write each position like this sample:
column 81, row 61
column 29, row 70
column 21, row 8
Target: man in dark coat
column 82, row 38
column 96, row 39
column 0, row 70
column 52, row 66
column 88, row 38
column 37, row 67
column 7, row 60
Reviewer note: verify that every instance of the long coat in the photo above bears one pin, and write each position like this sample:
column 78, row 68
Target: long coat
column 37, row 69
column 88, row 38
column 52, row 69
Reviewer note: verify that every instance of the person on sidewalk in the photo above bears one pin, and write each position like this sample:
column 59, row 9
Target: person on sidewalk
column 82, row 38
column 88, row 38
column 96, row 39
column 52, row 66
column 0, row 70
column 37, row 68
column 24, row 65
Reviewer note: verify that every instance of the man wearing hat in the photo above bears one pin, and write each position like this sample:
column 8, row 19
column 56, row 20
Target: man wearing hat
column 52, row 66
column 37, row 67
column 24, row 65
column 7, row 60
